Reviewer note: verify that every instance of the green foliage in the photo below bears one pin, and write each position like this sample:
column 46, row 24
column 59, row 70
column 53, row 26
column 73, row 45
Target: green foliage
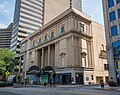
column 6, row 60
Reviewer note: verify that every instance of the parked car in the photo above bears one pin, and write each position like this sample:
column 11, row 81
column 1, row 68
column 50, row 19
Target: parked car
column 111, row 83
column 5, row 84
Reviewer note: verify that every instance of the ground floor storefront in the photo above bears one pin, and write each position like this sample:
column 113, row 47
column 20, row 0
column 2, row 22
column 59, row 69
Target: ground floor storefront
column 71, row 76
column 80, row 76
column 65, row 76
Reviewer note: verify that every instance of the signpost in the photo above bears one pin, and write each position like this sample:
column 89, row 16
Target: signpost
column 7, row 73
column 119, row 69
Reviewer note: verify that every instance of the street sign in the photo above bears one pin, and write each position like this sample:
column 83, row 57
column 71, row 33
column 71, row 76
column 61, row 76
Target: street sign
column 7, row 73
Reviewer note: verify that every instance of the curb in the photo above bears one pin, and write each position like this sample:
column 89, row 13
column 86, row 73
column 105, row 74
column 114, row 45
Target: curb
column 107, row 89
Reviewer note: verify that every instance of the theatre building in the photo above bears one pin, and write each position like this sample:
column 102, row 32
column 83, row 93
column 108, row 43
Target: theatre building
column 72, row 44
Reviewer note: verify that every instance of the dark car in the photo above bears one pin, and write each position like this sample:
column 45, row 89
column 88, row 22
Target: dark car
column 5, row 84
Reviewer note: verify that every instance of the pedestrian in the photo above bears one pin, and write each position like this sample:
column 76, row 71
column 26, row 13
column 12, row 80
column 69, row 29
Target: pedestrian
column 102, row 84
column 50, row 80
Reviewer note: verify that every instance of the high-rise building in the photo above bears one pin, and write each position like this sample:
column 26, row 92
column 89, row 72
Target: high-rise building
column 53, row 8
column 111, row 10
column 28, row 17
column 31, row 14
column 5, row 36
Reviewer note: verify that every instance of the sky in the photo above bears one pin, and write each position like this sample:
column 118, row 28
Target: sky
column 90, row 7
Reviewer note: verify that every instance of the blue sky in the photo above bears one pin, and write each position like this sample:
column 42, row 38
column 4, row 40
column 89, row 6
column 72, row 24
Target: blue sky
column 90, row 7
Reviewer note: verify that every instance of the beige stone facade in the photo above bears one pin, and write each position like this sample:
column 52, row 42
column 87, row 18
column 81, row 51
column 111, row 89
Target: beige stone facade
column 71, row 43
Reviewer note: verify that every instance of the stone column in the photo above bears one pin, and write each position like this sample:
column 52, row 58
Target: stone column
column 91, row 52
column 56, row 55
column 88, row 55
column 42, row 63
column 36, row 58
column 72, row 52
column 74, row 77
column 48, row 55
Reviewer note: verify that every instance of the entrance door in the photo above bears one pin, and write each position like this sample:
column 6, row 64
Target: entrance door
column 66, row 79
column 98, row 79
column 79, row 79
column 106, row 79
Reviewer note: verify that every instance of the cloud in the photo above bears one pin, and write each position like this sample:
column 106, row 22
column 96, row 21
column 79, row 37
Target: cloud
column 96, row 11
column 3, row 25
column 4, row 7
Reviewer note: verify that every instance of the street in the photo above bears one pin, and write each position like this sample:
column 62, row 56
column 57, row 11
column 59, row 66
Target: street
column 55, row 91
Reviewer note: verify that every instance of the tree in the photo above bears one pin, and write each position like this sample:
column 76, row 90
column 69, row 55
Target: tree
column 7, row 58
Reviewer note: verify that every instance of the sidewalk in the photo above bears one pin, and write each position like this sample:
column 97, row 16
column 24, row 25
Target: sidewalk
column 108, row 88
column 94, row 86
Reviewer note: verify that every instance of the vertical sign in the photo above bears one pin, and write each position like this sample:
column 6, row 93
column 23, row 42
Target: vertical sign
column 119, row 69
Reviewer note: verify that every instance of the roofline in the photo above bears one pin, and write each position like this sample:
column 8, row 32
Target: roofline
column 65, row 13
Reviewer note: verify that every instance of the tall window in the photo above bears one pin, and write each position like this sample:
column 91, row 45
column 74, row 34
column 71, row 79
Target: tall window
column 52, row 34
column 39, row 40
column 118, row 1
column 62, row 29
column 106, row 67
column 116, row 49
column 119, row 13
column 82, row 30
column 114, row 31
column 45, row 37
column 110, row 3
column 23, row 45
column 33, row 44
column 112, row 16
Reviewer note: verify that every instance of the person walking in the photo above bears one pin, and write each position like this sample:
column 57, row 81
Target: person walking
column 102, row 84
column 50, row 80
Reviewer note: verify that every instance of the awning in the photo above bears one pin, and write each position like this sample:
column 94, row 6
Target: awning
column 34, row 70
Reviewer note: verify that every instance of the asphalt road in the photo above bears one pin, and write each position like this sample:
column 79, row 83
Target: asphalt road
column 7, row 93
column 55, row 91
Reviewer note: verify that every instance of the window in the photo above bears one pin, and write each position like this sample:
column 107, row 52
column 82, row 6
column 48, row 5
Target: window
column 23, row 45
column 82, row 28
column 114, row 31
column 91, row 77
column 87, row 78
column 45, row 37
column 119, row 13
column 106, row 67
column 112, row 16
column 62, row 29
column 118, row 1
column 39, row 40
column 116, row 49
column 18, row 46
column 52, row 35
column 33, row 44
column 110, row 3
